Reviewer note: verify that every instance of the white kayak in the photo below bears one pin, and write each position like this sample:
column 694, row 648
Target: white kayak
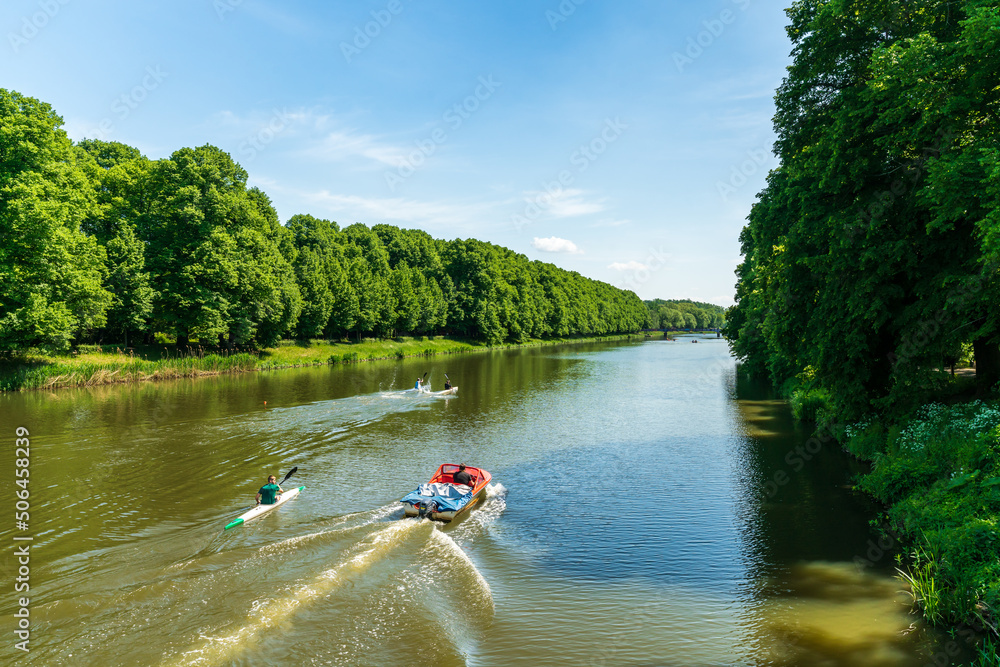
column 445, row 392
column 264, row 509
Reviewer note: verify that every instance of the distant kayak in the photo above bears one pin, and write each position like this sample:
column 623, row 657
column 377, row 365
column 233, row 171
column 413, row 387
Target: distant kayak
column 443, row 392
column 263, row 509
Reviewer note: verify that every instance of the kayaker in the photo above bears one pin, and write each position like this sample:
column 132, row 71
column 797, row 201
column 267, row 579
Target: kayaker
column 268, row 494
column 419, row 385
column 447, row 382
column 462, row 477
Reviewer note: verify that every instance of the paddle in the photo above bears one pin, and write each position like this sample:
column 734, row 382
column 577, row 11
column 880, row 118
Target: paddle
column 290, row 473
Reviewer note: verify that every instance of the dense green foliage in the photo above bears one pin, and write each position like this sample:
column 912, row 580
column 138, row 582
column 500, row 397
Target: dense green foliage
column 871, row 261
column 684, row 314
column 100, row 243
column 52, row 274
column 940, row 473
column 872, row 253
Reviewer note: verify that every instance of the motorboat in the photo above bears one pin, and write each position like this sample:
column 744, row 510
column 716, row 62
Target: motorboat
column 441, row 499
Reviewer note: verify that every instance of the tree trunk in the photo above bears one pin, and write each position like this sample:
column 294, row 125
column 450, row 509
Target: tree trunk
column 182, row 342
column 231, row 341
column 987, row 353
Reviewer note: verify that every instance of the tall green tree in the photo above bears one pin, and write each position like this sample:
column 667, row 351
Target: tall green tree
column 129, row 284
column 216, row 252
column 51, row 273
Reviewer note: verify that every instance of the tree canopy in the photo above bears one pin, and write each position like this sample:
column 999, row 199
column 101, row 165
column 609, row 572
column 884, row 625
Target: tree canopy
column 101, row 242
column 684, row 314
column 872, row 253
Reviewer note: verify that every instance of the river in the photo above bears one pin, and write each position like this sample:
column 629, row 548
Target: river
column 648, row 507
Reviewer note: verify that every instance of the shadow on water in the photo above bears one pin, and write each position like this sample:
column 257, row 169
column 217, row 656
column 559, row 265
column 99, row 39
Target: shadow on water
column 822, row 581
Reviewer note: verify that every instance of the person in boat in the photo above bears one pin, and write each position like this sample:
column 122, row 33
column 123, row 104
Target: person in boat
column 462, row 477
column 447, row 382
column 419, row 386
column 268, row 494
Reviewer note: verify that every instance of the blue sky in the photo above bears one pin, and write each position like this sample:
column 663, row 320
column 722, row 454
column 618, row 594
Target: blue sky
column 624, row 140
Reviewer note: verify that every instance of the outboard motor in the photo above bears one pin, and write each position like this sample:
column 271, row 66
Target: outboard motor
column 426, row 507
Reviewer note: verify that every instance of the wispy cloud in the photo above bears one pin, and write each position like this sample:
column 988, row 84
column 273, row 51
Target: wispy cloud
column 565, row 203
column 611, row 222
column 555, row 244
column 628, row 266
column 401, row 210
column 320, row 134
column 346, row 144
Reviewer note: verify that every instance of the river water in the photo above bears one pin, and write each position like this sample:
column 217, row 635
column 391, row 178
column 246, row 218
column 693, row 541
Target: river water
column 647, row 508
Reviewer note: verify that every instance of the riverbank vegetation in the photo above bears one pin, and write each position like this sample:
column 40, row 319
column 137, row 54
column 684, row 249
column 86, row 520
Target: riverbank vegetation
column 103, row 245
column 90, row 365
column 871, row 264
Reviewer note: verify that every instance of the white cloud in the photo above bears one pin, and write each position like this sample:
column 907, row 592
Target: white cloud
column 562, row 203
column 628, row 266
column 611, row 222
column 555, row 244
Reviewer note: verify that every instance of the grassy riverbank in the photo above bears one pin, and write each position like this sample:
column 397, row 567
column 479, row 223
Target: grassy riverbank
column 94, row 365
column 938, row 473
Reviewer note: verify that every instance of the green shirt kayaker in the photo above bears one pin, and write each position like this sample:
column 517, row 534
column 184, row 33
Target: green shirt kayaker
column 268, row 494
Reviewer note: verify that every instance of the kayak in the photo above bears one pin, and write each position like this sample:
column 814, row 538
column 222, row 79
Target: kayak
column 443, row 500
column 445, row 392
column 264, row 509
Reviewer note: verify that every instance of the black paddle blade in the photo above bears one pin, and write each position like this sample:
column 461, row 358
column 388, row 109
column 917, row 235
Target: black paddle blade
column 290, row 473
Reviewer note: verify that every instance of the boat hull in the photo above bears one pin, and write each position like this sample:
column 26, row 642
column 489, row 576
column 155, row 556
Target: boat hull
column 412, row 511
column 261, row 510
column 443, row 392
column 444, row 475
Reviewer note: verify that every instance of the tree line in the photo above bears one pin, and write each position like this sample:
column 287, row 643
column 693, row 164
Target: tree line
column 684, row 314
column 872, row 253
column 101, row 243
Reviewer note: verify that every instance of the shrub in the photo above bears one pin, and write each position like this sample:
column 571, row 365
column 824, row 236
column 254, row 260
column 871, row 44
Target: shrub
column 810, row 405
column 940, row 473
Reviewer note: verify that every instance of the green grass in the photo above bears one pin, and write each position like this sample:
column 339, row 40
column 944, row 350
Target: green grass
column 988, row 654
column 107, row 364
